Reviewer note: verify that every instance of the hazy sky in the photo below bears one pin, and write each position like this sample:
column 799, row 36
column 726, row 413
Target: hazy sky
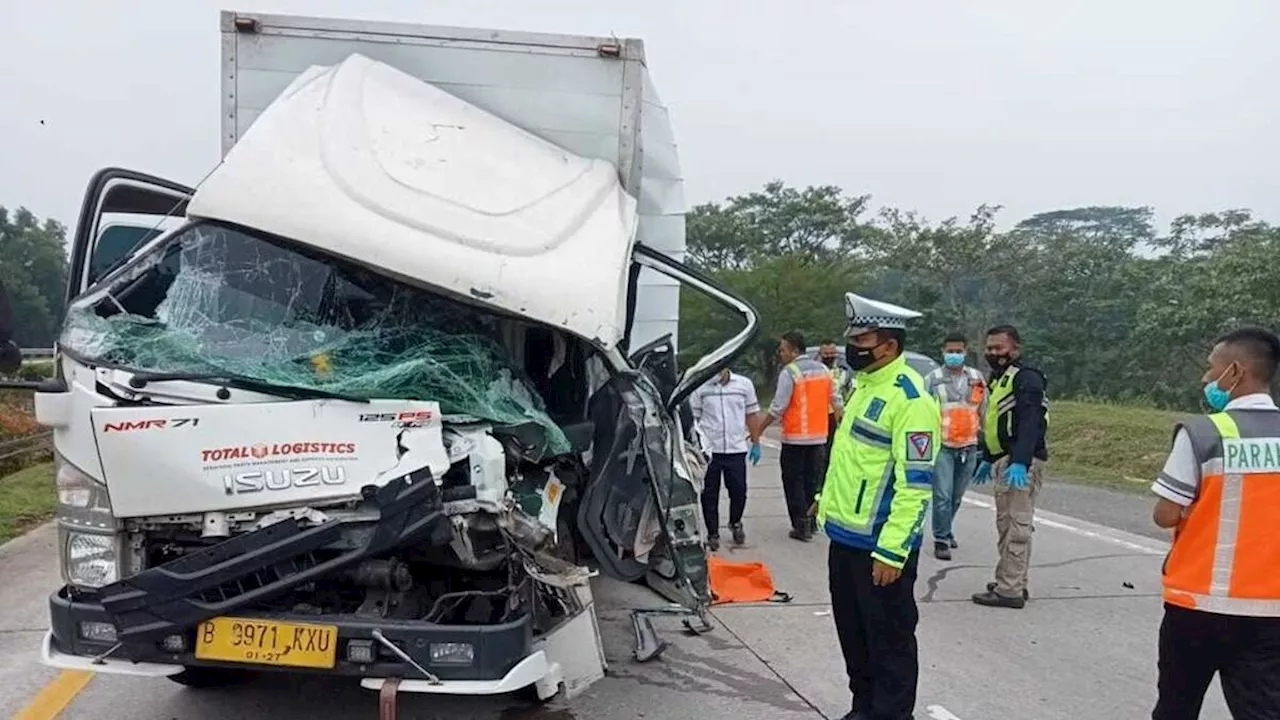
column 937, row 105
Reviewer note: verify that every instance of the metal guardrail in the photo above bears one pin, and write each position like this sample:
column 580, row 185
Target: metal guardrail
column 37, row 352
column 18, row 447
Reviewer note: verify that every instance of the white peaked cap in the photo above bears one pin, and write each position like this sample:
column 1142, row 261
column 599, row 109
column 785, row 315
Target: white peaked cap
column 864, row 313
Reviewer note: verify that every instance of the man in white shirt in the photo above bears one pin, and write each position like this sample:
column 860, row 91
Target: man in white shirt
column 723, row 409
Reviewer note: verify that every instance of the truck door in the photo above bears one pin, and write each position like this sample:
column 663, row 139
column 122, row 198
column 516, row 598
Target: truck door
column 122, row 211
column 640, row 512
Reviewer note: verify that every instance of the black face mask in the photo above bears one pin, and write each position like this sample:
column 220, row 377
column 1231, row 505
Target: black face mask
column 997, row 362
column 829, row 361
column 860, row 358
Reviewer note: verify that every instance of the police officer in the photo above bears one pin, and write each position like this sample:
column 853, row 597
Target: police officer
column 1220, row 488
column 1014, row 451
column 872, row 506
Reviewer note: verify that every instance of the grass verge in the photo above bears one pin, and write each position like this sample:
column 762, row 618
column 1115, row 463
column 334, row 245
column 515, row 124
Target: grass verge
column 26, row 500
column 1116, row 446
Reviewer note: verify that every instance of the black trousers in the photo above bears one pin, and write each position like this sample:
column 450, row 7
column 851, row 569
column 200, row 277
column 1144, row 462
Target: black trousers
column 800, row 466
column 877, row 631
column 1245, row 651
column 733, row 466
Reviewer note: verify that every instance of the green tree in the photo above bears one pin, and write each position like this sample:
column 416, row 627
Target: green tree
column 33, row 263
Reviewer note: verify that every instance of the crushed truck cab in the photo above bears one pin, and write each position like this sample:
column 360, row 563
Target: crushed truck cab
column 361, row 403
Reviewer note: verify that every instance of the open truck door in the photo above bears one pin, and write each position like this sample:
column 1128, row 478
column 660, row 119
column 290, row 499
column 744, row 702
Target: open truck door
column 121, row 212
column 640, row 467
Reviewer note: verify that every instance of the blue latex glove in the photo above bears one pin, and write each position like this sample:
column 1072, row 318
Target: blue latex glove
column 982, row 474
column 1017, row 476
column 755, row 453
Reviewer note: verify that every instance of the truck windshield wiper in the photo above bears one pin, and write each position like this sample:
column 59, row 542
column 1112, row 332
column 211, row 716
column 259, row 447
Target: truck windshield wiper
column 140, row 380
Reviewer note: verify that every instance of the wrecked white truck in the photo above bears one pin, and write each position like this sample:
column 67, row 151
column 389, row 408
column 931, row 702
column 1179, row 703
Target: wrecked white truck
column 360, row 403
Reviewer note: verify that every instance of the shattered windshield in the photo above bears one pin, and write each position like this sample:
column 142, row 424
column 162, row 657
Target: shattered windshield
column 218, row 300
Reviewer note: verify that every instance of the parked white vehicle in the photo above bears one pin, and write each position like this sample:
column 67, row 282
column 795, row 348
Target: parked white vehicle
column 369, row 403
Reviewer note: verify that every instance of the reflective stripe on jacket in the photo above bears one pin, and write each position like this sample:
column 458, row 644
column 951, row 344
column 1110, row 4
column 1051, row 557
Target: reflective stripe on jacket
column 1000, row 425
column 961, row 410
column 1225, row 558
column 805, row 419
column 880, row 479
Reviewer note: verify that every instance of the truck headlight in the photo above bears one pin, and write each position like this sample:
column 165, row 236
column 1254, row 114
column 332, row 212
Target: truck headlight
column 87, row 531
column 90, row 560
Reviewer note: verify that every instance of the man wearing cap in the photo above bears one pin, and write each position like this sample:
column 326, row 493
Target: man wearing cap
column 803, row 394
column 873, row 506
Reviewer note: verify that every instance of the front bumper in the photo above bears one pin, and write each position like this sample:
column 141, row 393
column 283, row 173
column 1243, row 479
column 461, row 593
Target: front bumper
column 503, row 652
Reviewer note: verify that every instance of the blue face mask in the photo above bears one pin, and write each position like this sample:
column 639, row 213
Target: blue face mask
column 953, row 359
column 1215, row 395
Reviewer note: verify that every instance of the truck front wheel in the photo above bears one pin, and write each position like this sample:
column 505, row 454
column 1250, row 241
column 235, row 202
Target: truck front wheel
column 210, row 677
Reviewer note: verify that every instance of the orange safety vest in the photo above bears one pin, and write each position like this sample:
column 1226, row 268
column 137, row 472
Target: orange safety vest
column 1225, row 556
column 805, row 418
column 961, row 419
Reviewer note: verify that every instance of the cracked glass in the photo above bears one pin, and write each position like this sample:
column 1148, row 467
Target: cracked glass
column 216, row 300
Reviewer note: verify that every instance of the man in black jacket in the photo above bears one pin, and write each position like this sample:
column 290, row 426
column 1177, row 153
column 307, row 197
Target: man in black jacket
column 1014, row 452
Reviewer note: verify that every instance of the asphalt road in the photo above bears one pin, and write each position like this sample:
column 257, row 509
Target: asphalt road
column 1085, row 647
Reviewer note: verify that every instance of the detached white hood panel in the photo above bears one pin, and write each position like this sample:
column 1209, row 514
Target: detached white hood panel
column 365, row 162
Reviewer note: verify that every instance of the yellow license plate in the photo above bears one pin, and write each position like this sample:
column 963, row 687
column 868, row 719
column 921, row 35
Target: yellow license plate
column 267, row 642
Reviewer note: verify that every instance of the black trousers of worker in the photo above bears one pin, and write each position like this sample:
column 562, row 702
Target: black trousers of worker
column 1245, row 651
column 733, row 466
column 800, row 465
column 877, row 631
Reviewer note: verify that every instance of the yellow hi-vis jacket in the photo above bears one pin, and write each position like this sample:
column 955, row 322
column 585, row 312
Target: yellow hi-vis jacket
column 880, row 479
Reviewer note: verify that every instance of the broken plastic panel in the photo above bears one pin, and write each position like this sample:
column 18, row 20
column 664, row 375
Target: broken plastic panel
column 218, row 300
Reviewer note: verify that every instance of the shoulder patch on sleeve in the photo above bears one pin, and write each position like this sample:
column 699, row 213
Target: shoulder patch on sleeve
column 919, row 446
column 908, row 387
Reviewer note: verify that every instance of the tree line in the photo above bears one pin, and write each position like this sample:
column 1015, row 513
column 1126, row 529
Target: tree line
column 33, row 267
column 1108, row 307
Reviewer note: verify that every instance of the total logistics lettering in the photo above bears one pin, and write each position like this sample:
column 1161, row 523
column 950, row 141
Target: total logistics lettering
column 262, row 450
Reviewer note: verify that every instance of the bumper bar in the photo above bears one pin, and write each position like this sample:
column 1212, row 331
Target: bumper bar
column 535, row 669
column 257, row 566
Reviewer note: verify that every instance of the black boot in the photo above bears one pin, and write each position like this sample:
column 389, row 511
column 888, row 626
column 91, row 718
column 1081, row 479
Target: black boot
column 739, row 535
column 941, row 551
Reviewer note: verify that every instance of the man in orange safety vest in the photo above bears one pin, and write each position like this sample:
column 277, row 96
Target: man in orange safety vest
column 1220, row 490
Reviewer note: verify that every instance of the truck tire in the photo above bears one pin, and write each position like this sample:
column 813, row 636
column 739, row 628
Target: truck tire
column 210, row 677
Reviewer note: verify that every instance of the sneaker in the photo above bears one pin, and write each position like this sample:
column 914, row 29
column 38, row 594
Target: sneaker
column 954, row 544
column 713, row 542
column 739, row 535
column 797, row 534
column 941, row 551
column 1026, row 594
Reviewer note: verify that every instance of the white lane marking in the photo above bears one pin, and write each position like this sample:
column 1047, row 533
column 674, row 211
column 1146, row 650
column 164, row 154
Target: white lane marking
column 1083, row 528
column 937, row 712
